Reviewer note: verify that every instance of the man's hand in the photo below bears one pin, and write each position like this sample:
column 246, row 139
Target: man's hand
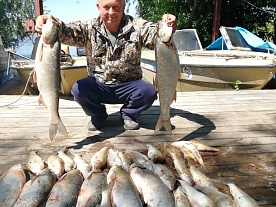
column 40, row 20
column 170, row 20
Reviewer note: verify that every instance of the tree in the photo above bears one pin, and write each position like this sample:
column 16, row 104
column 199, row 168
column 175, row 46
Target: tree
column 13, row 13
column 256, row 16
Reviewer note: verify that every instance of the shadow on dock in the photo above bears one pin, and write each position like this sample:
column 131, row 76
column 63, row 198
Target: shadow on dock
column 113, row 127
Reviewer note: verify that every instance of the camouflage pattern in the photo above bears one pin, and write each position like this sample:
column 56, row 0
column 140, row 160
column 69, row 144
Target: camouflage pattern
column 108, row 64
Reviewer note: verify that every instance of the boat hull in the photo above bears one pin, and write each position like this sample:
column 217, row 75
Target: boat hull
column 206, row 73
column 69, row 75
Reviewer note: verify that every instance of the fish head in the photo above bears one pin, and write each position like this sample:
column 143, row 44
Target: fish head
column 50, row 31
column 164, row 32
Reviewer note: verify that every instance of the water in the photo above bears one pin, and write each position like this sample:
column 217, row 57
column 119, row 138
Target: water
column 25, row 48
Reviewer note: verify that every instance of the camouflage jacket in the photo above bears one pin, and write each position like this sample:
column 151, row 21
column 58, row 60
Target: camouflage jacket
column 108, row 64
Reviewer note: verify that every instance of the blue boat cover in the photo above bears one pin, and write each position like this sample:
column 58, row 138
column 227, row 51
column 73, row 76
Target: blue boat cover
column 254, row 42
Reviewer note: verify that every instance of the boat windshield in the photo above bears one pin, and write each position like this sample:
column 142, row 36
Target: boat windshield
column 233, row 39
column 187, row 40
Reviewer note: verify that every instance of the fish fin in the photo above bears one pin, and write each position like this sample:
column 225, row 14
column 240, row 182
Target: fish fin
column 40, row 53
column 168, row 126
column 35, row 77
column 61, row 89
column 53, row 131
column 158, row 125
column 41, row 101
column 174, row 97
column 62, row 129
column 155, row 83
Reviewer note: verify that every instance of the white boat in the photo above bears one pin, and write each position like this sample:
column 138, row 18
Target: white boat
column 234, row 67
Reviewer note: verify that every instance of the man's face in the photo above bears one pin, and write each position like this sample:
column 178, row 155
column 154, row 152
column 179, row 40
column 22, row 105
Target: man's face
column 111, row 12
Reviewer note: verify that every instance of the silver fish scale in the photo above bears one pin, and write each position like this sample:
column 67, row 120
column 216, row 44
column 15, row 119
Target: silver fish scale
column 92, row 189
column 124, row 192
column 37, row 193
column 65, row 191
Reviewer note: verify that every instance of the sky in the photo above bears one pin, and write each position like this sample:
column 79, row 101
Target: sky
column 67, row 11
column 73, row 10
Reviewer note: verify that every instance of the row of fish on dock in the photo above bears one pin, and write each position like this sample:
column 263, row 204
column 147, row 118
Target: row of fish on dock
column 160, row 177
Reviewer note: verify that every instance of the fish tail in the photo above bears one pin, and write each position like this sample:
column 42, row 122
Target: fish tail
column 59, row 127
column 53, row 131
column 166, row 124
column 62, row 129
column 158, row 125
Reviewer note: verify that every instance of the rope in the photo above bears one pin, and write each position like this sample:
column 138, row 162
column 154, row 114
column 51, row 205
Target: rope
column 30, row 74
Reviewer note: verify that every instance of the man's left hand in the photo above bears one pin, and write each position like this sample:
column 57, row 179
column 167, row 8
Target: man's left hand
column 170, row 20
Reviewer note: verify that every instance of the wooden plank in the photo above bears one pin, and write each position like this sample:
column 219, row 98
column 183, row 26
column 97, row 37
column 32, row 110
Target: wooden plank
column 240, row 123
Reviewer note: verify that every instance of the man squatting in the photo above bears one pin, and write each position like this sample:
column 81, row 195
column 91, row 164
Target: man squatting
column 113, row 44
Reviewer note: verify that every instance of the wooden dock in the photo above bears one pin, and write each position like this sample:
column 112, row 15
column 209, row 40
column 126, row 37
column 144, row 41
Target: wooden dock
column 241, row 123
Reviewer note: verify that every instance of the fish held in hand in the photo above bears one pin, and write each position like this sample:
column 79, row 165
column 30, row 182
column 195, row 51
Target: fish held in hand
column 168, row 66
column 47, row 75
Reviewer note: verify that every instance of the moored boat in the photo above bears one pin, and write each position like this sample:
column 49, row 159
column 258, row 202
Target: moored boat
column 238, row 67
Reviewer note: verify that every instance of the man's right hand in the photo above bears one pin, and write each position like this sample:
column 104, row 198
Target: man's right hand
column 40, row 20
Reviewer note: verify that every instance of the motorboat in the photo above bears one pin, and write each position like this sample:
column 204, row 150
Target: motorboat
column 229, row 63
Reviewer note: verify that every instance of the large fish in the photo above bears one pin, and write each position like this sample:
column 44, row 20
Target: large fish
column 220, row 199
column 47, row 75
column 201, row 179
column 196, row 198
column 151, row 187
column 11, row 184
column 123, row 190
column 91, row 190
column 35, row 192
column 165, row 174
column 65, row 191
column 241, row 198
column 181, row 199
column 167, row 64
